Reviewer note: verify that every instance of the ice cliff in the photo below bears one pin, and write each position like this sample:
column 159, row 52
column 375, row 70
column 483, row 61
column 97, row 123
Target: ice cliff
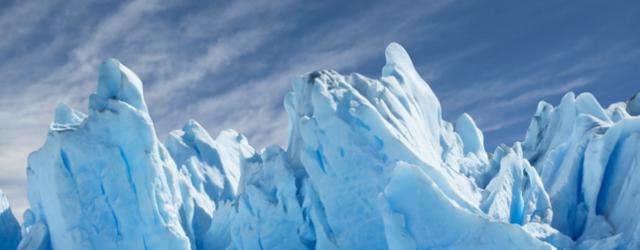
column 370, row 164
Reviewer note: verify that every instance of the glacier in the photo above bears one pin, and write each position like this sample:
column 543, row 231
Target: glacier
column 369, row 164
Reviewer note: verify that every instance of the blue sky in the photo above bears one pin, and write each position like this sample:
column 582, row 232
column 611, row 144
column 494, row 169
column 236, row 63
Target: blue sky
column 229, row 64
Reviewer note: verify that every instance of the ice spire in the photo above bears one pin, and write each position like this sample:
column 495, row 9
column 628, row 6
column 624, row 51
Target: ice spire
column 117, row 82
column 9, row 227
column 66, row 115
column 472, row 137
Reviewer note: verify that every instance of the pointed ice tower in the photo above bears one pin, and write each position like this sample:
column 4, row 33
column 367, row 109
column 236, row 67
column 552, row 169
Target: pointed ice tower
column 214, row 166
column 104, row 181
column 213, row 170
column 383, row 169
column 9, row 227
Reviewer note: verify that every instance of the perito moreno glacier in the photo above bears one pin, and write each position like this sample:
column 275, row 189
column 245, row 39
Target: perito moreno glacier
column 370, row 164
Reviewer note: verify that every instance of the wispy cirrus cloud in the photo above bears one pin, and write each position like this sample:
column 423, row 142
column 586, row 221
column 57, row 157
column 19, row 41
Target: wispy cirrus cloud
column 510, row 98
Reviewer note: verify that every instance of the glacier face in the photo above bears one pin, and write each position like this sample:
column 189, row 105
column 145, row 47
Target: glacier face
column 370, row 164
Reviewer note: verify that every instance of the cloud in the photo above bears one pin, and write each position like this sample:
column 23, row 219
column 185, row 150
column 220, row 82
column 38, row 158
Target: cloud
column 510, row 98
column 116, row 27
column 224, row 51
column 20, row 19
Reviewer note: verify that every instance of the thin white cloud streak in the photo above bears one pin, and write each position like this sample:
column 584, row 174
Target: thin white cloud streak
column 538, row 94
column 116, row 27
column 229, row 17
column 224, row 51
column 502, row 98
column 530, row 77
column 502, row 120
column 501, row 101
column 15, row 26
column 504, row 123
column 498, row 109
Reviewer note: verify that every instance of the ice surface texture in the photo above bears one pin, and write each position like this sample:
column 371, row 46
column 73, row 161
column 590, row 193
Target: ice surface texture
column 370, row 164
column 9, row 227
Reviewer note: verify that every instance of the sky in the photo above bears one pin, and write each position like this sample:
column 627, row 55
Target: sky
column 228, row 64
